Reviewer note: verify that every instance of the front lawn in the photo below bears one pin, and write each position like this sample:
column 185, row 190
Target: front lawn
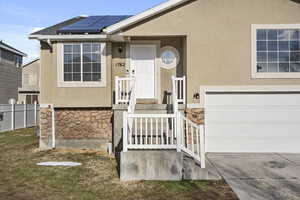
column 97, row 178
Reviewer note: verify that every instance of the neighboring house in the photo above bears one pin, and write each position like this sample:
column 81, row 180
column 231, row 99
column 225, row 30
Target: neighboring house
column 30, row 91
column 10, row 72
column 237, row 60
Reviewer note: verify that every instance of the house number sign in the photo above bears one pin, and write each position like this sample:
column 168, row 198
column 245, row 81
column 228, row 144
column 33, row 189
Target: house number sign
column 120, row 64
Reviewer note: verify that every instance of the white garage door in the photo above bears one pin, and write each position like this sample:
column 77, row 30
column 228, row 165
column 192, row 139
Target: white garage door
column 252, row 122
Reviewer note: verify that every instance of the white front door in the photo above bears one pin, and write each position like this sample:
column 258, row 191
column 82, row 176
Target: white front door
column 143, row 67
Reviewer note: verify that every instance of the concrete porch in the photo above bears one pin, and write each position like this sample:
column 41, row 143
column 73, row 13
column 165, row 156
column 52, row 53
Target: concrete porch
column 163, row 165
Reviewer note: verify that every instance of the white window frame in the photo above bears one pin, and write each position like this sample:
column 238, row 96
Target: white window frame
column 175, row 62
column 60, row 68
column 270, row 75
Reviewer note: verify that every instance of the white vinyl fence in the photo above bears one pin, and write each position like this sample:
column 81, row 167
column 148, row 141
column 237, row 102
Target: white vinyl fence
column 17, row 116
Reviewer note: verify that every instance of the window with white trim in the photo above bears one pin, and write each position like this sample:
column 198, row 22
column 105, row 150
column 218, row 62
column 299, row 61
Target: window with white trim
column 276, row 51
column 82, row 62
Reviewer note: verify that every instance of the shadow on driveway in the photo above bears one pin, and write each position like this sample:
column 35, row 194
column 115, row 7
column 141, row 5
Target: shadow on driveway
column 260, row 176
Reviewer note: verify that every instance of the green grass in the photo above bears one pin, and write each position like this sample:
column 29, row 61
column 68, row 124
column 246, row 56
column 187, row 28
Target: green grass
column 97, row 178
column 185, row 185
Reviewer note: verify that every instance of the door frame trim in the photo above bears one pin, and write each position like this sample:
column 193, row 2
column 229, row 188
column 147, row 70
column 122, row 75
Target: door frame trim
column 157, row 43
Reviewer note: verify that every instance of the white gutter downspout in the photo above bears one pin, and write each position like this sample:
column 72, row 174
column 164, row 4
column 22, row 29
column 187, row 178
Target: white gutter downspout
column 53, row 127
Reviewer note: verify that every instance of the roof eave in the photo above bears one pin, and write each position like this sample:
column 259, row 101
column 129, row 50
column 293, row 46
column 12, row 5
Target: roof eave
column 30, row 62
column 144, row 15
column 14, row 51
column 68, row 37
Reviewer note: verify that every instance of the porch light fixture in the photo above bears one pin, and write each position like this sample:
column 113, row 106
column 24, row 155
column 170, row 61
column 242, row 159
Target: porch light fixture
column 120, row 49
column 170, row 57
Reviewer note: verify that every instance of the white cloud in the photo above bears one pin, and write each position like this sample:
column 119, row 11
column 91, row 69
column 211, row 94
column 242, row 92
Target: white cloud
column 35, row 29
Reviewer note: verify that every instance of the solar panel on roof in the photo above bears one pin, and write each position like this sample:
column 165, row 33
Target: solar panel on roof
column 92, row 24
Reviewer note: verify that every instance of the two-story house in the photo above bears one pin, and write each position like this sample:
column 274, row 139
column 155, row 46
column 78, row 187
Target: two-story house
column 10, row 72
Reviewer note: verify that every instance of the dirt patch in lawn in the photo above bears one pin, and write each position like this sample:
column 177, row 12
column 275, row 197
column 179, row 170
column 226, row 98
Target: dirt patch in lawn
column 97, row 178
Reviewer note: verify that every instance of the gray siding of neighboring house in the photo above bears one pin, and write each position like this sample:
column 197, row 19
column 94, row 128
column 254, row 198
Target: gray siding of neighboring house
column 10, row 81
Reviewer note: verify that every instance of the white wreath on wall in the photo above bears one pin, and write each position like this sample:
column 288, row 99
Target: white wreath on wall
column 169, row 57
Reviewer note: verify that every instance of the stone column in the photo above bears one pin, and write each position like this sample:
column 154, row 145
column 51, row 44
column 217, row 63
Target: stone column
column 45, row 128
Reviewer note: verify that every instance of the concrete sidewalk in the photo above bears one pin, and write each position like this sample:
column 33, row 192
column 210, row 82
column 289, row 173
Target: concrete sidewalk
column 260, row 176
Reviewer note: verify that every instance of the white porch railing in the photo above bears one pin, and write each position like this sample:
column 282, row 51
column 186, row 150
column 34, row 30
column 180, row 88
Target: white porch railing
column 192, row 139
column 174, row 95
column 123, row 87
column 149, row 131
column 164, row 131
column 132, row 98
column 160, row 131
column 179, row 85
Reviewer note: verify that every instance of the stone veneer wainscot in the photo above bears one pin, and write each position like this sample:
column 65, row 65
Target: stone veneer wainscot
column 196, row 115
column 84, row 123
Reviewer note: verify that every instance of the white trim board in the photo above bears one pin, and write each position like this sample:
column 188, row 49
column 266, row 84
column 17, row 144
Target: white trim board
column 144, row 15
column 254, row 88
column 69, row 37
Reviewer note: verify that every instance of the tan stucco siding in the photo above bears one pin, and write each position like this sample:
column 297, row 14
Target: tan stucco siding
column 71, row 96
column 30, row 81
column 33, row 72
column 218, row 38
column 119, row 62
column 47, row 74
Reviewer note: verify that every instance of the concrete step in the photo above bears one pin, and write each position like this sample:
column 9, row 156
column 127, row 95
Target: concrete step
column 147, row 101
column 192, row 170
column 163, row 165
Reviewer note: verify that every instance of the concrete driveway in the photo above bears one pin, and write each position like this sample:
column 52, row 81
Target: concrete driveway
column 260, row 176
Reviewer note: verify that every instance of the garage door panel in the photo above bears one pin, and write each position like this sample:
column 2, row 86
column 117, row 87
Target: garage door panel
column 240, row 131
column 246, row 138
column 252, row 123
column 240, row 115
column 253, row 146
column 253, row 99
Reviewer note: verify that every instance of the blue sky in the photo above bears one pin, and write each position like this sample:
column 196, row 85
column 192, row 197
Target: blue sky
column 20, row 17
